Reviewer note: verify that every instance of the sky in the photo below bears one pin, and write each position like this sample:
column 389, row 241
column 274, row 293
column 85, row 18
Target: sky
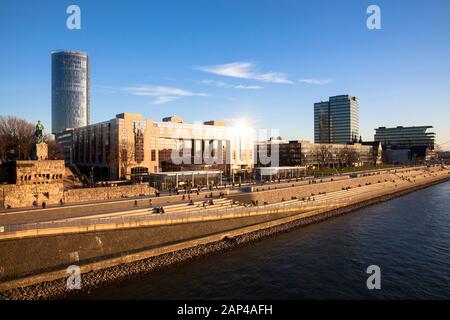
column 264, row 61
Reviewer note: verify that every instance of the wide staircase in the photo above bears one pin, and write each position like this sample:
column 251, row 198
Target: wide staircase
column 80, row 178
column 213, row 204
column 71, row 179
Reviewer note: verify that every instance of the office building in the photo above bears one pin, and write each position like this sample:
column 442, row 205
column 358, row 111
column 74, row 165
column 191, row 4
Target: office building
column 405, row 144
column 406, row 137
column 336, row 120
column 296, row 153
column 70, row 90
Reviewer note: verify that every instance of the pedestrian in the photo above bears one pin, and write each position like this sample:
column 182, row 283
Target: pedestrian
column 43, row 205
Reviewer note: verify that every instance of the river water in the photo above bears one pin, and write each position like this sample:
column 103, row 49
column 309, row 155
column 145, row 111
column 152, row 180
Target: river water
column 407, row 237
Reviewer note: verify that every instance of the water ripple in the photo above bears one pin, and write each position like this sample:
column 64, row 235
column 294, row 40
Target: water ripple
column 408, row 237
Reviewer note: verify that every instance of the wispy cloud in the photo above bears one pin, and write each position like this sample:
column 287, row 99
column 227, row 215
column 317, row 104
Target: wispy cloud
column 105, row 89
column 244, row 70
column 316, row 81
column 242, row 86
column 161, row 94
column 222, row 84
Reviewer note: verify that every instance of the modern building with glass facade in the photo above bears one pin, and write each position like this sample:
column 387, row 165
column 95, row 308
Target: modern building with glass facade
column 129, row 146
column 295, row 153
column 336, row 120
column 70, row 90
column 406, row 137
column 406, row 144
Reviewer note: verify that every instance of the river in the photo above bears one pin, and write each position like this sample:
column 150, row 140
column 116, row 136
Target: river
column 407, row 237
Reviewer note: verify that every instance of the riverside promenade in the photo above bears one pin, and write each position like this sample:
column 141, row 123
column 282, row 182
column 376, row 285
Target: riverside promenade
column 113, row 245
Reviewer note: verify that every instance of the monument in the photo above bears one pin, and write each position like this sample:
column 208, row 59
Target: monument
column 40, row 150
column 35, row 182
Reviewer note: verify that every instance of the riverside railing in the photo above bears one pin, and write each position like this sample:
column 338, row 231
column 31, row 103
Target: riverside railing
column 297, row 204
column 150, row 216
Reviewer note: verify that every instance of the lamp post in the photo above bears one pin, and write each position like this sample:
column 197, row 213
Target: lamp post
column 92, row 176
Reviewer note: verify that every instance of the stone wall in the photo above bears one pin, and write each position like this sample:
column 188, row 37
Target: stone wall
column 105, row 193
column 16, row 196
column 31, row 182
column 48, row 253
column 39, row 172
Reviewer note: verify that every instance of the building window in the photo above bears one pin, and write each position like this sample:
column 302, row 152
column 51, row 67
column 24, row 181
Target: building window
column 139, row 146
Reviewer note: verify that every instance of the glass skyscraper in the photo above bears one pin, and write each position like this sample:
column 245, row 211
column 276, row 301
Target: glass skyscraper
column 336, row 120
column 70, row 90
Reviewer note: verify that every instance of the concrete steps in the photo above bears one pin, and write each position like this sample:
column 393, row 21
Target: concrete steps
column 186, row 207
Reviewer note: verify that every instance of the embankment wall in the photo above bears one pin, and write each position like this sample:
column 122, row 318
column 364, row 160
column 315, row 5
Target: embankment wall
column 277, row 194
column 25, row 256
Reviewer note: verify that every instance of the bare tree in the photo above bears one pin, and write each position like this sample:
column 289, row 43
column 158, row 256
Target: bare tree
column 347, row 156
column 55, row 151
column 341, row 157
column 126, row 158
column 16, row 138
column 353, row 157
column 323, row 154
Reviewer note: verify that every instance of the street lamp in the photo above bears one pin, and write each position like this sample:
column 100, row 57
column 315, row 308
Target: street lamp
column 92, row 176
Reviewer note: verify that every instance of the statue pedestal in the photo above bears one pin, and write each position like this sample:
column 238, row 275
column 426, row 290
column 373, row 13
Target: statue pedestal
column 40, row 151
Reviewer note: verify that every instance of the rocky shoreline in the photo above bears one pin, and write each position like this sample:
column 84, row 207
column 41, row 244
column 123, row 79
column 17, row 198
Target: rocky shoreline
column 57, row 289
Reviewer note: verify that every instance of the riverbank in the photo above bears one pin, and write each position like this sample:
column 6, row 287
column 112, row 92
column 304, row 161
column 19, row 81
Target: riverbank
column 408, row 237
column 224, row 242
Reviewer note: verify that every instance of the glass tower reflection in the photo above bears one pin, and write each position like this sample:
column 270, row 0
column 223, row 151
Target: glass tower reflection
column 70, row 90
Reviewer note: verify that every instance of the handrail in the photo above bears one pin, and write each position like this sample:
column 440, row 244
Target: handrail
column 356, row 195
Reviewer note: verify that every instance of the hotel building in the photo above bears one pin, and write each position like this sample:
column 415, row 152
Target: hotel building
column 129, row 146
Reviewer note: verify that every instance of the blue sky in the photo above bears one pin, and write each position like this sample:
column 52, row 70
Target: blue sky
column 267, row 61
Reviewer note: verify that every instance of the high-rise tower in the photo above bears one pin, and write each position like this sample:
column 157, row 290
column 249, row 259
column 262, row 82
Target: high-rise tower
column 336, row 120
column 70, row 90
